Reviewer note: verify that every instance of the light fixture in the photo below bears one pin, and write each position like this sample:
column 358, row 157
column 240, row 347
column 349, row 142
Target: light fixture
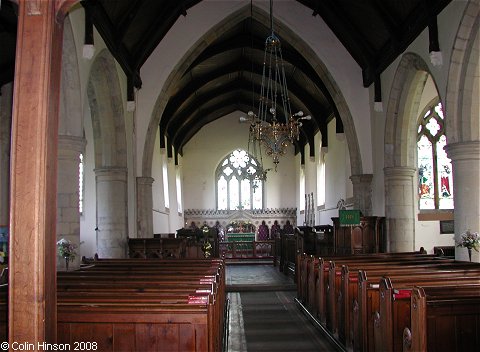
column 274, row 132
column 258, row 174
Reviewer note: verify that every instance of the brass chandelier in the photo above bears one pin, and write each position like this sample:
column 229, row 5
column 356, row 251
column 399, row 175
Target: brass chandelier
column 274, row 132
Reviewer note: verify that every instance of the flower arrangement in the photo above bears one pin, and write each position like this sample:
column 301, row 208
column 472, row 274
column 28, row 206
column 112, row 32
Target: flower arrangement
column 67, row 249
column 469, row 240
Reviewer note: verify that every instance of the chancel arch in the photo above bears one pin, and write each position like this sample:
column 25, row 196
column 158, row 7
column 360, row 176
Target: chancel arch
column 287, row 35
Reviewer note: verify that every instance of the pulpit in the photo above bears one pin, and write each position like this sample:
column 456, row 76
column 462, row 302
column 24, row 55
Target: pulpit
column 366, row 237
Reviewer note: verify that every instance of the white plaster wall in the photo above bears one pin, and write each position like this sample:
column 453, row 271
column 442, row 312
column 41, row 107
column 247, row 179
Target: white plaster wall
column 427, row 235
column 204, row 152
column 337, row 173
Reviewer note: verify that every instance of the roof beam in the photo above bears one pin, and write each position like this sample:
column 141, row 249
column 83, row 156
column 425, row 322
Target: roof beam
column 126, row 20
column 157, row 31
column 346, row 32
column 107, row 30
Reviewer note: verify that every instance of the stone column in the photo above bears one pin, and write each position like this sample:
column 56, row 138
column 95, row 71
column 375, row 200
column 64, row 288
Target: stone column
column 362, row 193
column 400, row 208
column 465, row 158
column 68, row 216
column 5, row 137
column 112, row 213
column 144, row 207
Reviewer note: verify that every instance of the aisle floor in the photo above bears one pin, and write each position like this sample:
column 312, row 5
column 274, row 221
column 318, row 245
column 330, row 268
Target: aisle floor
column 263, row 315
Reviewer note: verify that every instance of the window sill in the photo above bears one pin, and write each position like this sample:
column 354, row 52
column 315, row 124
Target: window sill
column 435, row 215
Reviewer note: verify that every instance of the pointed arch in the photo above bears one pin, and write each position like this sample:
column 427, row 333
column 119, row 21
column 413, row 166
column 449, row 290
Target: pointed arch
column 403, row 109
column 287, row 34
column 462, row 97
column 106, row 106
column 70, row 112
column 109, row 134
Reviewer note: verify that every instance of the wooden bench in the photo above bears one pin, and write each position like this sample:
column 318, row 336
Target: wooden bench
column 366, row 305
column 335, row 297
column 344, row 298
column 140, row 327
column 144, row 304
column 394, row 312
column 444, row 319
column 329, row 276
column 162, row 248
column 303, row 269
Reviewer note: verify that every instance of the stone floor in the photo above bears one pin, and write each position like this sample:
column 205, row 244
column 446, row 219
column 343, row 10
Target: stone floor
column 241, row 277
column 263, row 315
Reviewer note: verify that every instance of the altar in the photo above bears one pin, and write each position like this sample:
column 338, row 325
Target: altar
column 240, row 237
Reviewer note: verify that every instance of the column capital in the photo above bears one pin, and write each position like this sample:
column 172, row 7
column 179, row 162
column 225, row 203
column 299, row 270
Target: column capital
column 111, row 173
column 362, row 178
column 399, row 172
column 145, row 180
column 71, row 143
column 463, row 151
column 362, row 193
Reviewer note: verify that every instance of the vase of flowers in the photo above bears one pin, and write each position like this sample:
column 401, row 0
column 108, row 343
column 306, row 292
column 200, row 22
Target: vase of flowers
column 469, row 240
column 66, row 250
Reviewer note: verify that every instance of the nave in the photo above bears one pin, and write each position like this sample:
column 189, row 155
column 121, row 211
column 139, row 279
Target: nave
column 263, row 315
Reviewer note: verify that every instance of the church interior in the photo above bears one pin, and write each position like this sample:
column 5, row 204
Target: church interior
column 149, row 150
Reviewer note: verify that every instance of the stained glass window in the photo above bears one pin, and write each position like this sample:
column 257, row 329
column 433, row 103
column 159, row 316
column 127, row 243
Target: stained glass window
column 233, row 190
column 435, row 179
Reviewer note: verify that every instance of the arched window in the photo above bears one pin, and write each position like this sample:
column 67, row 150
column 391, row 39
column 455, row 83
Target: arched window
column 321, row 178
column 435, row 179
column 233, row 190
column 81, row 183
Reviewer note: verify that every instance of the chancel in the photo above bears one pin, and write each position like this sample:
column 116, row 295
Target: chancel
column 120, row 140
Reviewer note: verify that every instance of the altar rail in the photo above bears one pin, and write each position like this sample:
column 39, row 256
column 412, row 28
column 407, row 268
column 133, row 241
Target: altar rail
column 258, row 250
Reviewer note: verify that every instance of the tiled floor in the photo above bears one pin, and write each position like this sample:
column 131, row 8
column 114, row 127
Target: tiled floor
column 263, row 315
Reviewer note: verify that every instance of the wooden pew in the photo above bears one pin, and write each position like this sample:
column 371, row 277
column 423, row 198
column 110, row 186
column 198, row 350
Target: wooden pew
column 146, row 327
column 367, row 303
column 348, row 290
column 444, row 319
column 177, row 307
column 333, row 283
column 162, row 248
column 325, row 277
column 312, row 281
column 395, row 308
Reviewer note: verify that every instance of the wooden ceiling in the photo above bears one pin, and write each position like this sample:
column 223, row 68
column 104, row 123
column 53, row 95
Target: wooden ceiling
column 226, row 75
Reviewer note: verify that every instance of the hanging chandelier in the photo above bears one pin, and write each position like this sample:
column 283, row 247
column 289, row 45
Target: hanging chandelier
column 267, row 128
column 258, row 174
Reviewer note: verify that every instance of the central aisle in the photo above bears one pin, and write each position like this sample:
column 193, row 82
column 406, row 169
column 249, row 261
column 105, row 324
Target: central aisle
column 264, row 318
